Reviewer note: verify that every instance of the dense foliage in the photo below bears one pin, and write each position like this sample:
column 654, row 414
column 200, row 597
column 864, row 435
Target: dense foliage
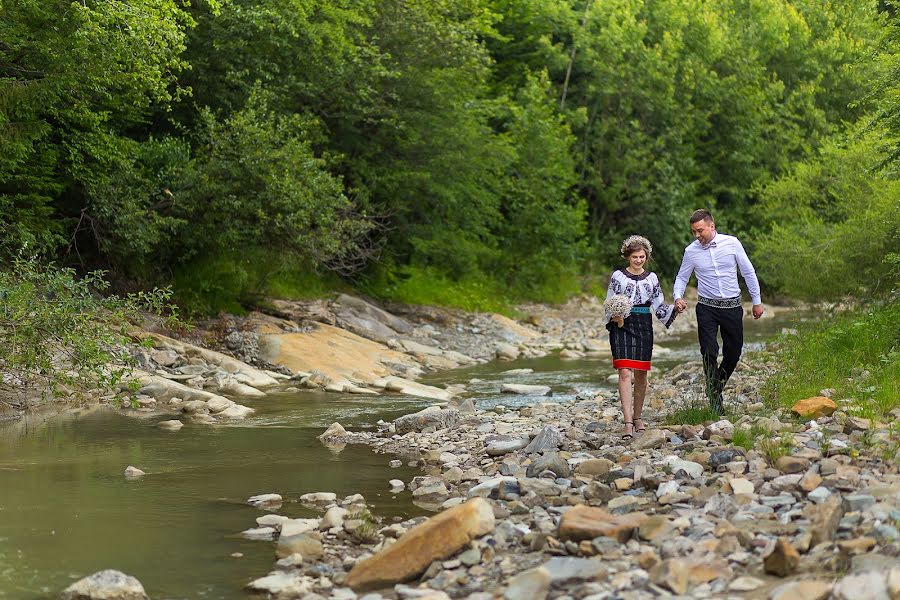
column 492, row 147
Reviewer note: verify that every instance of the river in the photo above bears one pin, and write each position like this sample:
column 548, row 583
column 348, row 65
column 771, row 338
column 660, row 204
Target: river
column 66, row 510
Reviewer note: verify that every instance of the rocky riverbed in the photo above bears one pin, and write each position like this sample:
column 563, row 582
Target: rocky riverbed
column 549, row 501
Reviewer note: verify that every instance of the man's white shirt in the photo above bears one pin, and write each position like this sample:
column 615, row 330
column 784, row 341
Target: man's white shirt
column 716, row 265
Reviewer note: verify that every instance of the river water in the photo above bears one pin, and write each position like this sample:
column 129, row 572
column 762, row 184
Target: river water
column 66, row 510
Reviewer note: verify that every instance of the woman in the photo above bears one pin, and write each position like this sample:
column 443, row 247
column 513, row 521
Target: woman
column 632, row 342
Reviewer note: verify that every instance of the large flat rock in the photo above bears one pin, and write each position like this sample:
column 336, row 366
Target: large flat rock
column 439, row 537
column 341, row 355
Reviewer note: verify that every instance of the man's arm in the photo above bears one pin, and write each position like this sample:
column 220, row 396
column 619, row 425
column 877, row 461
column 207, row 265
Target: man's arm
column 681, row 281
column 749, row 275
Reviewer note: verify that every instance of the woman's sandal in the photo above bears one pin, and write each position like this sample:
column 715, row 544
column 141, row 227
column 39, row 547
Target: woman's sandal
column 628, row 436
column 641, row 429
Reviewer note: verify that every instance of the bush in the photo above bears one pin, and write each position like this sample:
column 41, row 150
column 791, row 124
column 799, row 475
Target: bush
column 233, row 282
column 58, row 336
column 428, row 286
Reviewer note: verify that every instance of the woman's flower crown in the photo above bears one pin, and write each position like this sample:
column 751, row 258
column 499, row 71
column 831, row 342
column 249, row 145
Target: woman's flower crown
column 636, row 239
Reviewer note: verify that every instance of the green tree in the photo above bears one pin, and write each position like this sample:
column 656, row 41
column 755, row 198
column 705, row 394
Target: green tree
column 833, row 225
column 74, row 78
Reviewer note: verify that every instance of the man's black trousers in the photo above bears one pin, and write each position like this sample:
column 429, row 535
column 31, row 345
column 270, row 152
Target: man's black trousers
column 710, row 322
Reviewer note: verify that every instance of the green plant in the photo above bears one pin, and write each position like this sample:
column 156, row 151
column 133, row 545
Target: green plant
column 774, row 448
column 696, row 412
column 59, row 336
column 367, row 531
column 744, row 438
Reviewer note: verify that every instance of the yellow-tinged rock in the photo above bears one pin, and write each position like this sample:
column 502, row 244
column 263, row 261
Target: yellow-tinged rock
column 815, row 407
column 437, row 538
column 587, row 522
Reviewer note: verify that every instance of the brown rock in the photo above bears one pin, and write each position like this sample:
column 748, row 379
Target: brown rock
column 672, row 574
column 810, row 481
column 783, row 559
column 707, row 570
column 699, row 456
column 594, row 466
column 655, row 528
column 792, row 464
column 857, row 546
column 815, row 407
column 825, row 518
column 652, row 438
column 437, row 538
column 648, row 559
column 587, row 522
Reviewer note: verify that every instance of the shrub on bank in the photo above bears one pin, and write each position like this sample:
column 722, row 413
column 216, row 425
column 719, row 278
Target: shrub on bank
column 59, row 336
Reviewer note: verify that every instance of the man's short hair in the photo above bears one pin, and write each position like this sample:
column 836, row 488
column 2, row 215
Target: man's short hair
column 701, row 214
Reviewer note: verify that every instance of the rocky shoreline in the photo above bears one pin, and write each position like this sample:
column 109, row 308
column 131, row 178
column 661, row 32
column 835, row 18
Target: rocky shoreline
column 547, row 500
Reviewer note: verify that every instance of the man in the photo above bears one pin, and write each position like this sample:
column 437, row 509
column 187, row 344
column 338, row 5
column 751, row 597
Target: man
column 715, row 258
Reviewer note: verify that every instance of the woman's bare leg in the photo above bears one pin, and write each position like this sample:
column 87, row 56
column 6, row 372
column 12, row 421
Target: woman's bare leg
column 640, row 393
column 626, row 398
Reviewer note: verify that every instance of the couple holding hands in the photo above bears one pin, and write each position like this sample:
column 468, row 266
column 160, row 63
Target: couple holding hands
column 715, row 258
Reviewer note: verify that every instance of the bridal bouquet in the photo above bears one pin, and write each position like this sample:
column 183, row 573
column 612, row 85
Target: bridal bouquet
column 617, row 308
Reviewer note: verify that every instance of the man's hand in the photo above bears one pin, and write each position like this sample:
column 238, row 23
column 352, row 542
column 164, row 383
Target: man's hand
column 758, row 311
column 681, row 305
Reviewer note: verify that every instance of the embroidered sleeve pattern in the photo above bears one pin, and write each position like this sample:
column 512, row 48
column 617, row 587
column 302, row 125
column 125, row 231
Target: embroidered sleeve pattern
column 664, row 312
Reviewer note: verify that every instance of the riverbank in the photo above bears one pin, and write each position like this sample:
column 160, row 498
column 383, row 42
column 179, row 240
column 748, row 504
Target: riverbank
column 539, row 456
column 758, row 505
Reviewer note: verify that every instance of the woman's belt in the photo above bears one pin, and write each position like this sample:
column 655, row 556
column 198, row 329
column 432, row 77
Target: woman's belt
column 644, row 310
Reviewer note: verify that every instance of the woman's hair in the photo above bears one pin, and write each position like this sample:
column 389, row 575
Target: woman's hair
column 634, row 243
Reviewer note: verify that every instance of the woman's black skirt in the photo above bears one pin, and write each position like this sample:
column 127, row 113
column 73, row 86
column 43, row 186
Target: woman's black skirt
column 632, row 344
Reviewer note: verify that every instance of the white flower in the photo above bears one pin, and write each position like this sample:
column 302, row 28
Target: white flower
column 617, row 307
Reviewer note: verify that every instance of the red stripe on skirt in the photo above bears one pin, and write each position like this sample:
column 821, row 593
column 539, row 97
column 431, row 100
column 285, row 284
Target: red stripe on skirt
column 627, row 363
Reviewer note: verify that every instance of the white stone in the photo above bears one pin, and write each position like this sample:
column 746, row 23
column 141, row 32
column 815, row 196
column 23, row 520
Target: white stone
column 235, row 411
column 745, row 584
column 739, row 485
column 675, row 464
column 259, row 533
column 271, row 520
column 298, row 526
column 668, row 487
column 819, row 495
column 133, row 472
column 525, row 390
column 264, row 500
column 396, row 485
column 323, row 498
column 282, row 584
column 334, row 517
column 171, row 425
column 528, row 585
column 107, row 584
